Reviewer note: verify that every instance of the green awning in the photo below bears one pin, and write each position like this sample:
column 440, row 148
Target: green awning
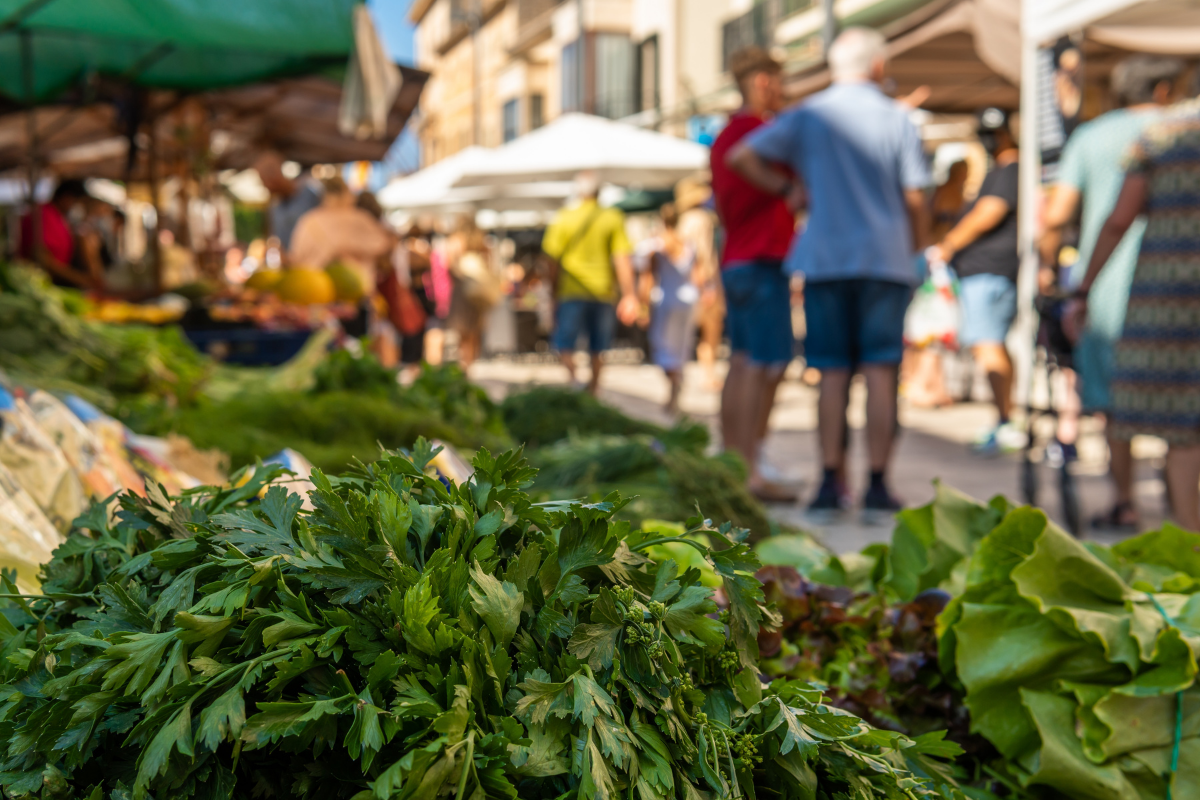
column 168, row 44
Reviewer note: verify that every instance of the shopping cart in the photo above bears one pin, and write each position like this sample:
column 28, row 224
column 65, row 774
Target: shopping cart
column 1052, row 354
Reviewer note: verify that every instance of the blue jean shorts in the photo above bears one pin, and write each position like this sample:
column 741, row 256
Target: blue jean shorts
column 989, row 304
column 574, row 318
column 854, row 321
column 1096, row 361
column 758, row 316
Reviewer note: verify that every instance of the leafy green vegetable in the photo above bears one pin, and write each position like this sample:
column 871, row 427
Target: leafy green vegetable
column 42, row 336
column 409, row 639
column 1070, row 669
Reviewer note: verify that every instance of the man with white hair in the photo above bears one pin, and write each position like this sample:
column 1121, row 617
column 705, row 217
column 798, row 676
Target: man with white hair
column 861, row 162
column 594, row 271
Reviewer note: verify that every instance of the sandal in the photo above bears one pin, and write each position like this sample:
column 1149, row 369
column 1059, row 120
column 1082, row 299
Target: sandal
column 1121, row 519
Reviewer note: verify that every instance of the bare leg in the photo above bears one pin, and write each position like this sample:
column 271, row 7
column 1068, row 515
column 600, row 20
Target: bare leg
column 594, row 383
column 675, row 378
column 1183, row 483
column 567, row 359
column 1120, row 466
column 881, row 413
column 734, row 406
column 772, row 377
column 741, row 404
column 435, row 346
column 993, row 357
column 831, row 416
column 706, row 349
column 1069, row 407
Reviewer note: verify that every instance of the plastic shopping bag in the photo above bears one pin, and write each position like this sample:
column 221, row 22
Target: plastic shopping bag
column 934, row 314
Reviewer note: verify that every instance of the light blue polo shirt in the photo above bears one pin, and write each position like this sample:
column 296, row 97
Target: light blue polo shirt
column 857, row 152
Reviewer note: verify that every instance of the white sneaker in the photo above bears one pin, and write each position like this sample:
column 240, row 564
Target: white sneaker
column 1006, row 438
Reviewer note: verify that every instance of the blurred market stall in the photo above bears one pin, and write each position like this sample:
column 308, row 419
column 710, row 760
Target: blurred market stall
column 171, row 101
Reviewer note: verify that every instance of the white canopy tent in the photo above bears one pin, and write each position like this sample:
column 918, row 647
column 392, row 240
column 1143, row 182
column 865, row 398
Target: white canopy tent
column 620, row 154
column 1168, row 27
column 432, row 190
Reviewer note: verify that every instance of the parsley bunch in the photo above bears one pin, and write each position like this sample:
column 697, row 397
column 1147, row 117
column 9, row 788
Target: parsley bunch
column 404, row 638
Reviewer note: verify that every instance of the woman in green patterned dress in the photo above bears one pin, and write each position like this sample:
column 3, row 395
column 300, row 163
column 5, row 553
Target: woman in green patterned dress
column 1156, row 387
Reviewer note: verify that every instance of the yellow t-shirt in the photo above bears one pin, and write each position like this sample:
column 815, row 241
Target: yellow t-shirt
column 587, row 272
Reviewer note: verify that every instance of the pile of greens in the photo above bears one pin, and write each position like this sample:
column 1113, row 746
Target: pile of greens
column 43, row 338
column 351, row 407
column 1079, row 662
column 408, row 639
column 585, row 448
column 543, row 415
column 879, row 660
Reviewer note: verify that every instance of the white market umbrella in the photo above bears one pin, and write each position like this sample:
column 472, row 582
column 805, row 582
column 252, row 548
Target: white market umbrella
column 431, row 186
column 619, row 153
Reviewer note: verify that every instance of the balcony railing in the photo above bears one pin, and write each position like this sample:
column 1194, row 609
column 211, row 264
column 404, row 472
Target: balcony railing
column 757, row 26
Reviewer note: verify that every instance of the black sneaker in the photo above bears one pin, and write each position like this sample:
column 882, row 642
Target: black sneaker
column 879, row 505
column 829, row 503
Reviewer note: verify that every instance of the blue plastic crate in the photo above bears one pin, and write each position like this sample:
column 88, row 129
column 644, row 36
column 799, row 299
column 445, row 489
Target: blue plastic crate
column 249, row 347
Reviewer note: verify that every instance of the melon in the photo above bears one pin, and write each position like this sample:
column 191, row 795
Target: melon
column 265, row 280
column 346, row 282
column 306, row 287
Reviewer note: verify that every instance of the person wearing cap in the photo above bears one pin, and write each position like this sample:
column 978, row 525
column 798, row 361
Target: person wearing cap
column 1090, row 173
column 593, row 276
column 758, row 231
column 865, row 173
column 982, row 248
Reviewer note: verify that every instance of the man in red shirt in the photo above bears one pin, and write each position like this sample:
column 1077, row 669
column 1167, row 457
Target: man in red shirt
column 758, row 230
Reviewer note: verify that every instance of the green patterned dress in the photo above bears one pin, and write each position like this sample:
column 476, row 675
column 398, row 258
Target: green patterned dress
column 1156, row 387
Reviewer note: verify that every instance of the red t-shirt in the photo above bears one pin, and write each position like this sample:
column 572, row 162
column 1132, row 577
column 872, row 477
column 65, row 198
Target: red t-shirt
column 757, row 225
column 56, row 235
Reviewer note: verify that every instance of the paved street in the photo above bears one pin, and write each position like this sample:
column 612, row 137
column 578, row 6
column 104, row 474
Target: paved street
column 933, row 444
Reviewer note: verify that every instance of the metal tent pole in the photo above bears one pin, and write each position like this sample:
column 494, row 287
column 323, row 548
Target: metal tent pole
column 35, row 211
column 1029, row 177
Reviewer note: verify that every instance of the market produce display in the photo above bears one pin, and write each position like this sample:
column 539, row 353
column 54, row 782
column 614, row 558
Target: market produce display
column 584, row 448
column 411, row 639
column 44, row 340
column 352, row 407
column 1079, row 662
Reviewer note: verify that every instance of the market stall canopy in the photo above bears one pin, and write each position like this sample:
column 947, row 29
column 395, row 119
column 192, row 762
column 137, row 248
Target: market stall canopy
column 617, row 152
column 1170, row 27
column 176, row 44
column 296, row 116
column 431, row 190
column 965, row 51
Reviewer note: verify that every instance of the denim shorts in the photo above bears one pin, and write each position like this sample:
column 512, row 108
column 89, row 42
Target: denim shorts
column 574, row 318
column 1096, row 361
column 854, row 321
column 758, row 316
column 989, row 304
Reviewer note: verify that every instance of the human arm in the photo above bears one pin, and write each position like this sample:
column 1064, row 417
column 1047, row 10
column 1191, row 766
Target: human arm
column 1130, row 203
column 68, row 273
column 628, row 307
column 89, row 248
column 743, row 160
column 989, row 211
column 1060, row 210
column 918, row 217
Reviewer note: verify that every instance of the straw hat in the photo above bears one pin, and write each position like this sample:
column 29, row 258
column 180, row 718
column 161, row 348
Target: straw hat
column 690, row 193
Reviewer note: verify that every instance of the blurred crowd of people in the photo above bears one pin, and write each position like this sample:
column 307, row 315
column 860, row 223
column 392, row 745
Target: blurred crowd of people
column 1125, row 317
column 725, row 261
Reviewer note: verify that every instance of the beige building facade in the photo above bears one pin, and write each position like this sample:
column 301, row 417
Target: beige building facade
column 501, row 68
